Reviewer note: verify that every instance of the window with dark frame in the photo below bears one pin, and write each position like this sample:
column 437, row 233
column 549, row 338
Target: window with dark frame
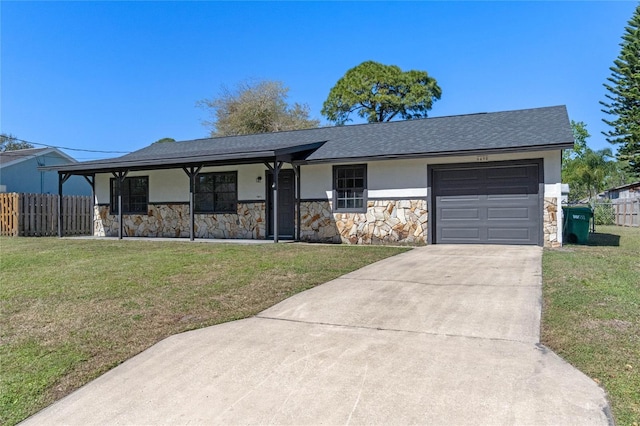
column 135, row 195
column 350, row 188
column 216, row 193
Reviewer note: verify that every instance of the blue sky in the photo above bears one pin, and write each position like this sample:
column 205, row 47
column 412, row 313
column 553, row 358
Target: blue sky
column 117, row 76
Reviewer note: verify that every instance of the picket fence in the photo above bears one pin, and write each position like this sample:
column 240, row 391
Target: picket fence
column 36, row 215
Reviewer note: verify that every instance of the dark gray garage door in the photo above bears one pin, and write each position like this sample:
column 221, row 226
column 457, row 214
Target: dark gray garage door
column 496, row 204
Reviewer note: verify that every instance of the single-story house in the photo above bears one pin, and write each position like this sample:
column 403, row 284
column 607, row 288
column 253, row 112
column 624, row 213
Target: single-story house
column 480, row 178
column 20, row 172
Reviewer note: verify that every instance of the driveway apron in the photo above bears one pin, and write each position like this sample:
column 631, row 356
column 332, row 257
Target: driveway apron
column 438, row 335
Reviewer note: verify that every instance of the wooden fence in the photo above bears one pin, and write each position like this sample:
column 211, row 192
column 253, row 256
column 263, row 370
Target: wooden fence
column 36, row 215
column 626, row 211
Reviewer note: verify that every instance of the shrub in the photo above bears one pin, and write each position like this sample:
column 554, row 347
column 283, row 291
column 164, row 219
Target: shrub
column 603, row 213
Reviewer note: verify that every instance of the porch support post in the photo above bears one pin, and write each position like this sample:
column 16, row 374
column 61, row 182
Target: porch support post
column 120, row 176
column 92, row 181
column 60, row 231
column 192, row 172
column 62, row 178
column 296, row 171
column 277, row 165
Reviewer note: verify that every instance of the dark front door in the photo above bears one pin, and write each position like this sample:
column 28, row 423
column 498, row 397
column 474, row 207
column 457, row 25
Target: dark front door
column 286, row 203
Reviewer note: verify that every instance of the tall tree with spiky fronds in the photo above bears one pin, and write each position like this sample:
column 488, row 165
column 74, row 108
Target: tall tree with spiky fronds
column 623, row 99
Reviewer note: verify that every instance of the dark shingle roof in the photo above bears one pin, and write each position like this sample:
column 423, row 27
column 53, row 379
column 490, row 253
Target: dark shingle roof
column 539, row 128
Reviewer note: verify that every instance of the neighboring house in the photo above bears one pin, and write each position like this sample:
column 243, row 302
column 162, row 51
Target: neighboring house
column 479, row 178
column 19, row 172
column 629, row 191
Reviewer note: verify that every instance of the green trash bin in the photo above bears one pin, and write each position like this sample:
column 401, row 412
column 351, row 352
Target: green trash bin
column 576, row 224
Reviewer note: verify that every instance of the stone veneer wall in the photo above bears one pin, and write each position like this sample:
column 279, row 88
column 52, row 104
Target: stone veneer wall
column 550, row 222
column 172, row 220
column 386, row 221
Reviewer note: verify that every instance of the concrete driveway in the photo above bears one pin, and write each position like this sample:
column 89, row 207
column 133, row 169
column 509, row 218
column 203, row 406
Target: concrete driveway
column 439, row 335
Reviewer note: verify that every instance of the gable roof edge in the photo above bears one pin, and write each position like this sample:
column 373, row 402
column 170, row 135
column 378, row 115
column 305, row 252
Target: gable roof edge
column 39, row 153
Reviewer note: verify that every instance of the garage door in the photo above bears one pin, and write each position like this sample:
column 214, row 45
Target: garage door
column 494, row 204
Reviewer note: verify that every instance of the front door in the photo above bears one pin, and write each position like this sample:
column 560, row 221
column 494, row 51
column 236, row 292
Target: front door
column 286, row 203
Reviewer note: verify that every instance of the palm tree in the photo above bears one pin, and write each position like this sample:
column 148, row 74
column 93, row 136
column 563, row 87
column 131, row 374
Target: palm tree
column 588, row 173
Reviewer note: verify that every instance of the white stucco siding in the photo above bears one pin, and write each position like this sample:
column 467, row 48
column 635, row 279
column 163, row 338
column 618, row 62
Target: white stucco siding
column 397, row 179
column 551, row 159
column 166, row 186
column 172, row 185
column 390, row 179
column 248, row 187
column 315, row 181
column 385, row 179
column 102, row 188
column 553, row 167
column 408, row 178
column 102, row 184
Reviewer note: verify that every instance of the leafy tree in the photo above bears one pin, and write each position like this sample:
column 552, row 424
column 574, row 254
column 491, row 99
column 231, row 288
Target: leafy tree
column 8, row 142
column 623, row 99
column 580, row 136
column 165, row 140
column 381, row 92
column 255, row 107
column 588, row 172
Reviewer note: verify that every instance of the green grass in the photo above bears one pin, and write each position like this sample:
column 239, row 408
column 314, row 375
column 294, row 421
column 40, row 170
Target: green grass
column 591, row 314
column 72, row 309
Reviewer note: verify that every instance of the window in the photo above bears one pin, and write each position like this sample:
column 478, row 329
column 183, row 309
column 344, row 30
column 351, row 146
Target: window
column 135, row 195
column 216, row 193
column 350, row 188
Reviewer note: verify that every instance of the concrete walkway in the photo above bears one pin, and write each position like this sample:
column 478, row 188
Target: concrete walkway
column 438, row 335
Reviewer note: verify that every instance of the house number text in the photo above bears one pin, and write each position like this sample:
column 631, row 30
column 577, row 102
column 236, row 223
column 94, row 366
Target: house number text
column 482, row 158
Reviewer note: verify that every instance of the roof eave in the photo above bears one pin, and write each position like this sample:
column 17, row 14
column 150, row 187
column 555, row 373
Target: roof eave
column 263, row 156
column 458, row 153
column 623, row 187
column 250, row 157
column 161, row 164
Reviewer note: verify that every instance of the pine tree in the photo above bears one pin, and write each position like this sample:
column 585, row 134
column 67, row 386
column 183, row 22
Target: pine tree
column 381, row 92
column 623, row 99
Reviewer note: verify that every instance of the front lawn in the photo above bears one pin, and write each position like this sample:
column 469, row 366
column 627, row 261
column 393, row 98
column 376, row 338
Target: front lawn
column 72, row 309
column 591, row 314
